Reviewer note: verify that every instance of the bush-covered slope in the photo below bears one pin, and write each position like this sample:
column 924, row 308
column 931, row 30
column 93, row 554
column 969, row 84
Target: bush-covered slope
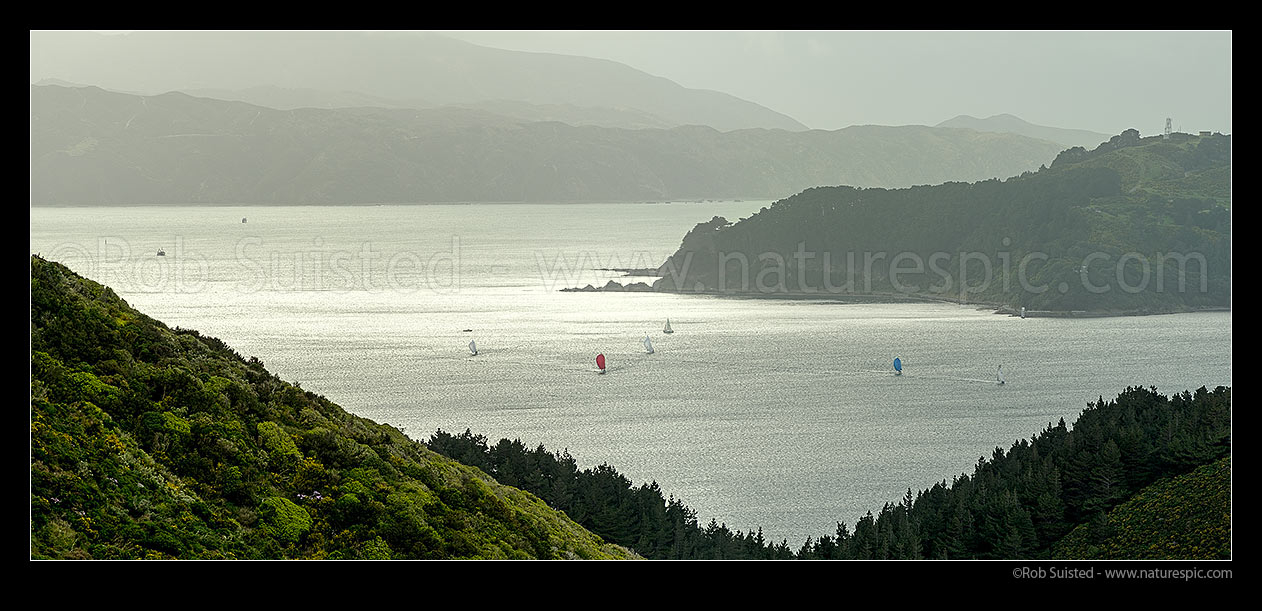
column 150, row 442
column 1188, row 516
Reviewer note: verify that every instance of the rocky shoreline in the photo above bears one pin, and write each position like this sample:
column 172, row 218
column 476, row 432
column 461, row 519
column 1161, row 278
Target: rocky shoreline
column 846, row 298
column 612, row 286
column 632, row 271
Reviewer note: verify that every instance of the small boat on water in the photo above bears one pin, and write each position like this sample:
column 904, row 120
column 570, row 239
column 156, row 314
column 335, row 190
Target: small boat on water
column 999, row 376
column 243, row 219
column 1022, row 311
column 162, row 253
column 473, row 348
column 648, row 345
column 600, row 362
column 898, row 366
column 667, row 329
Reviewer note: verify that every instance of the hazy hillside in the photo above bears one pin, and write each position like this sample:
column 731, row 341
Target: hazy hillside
column 378, row 65
column 288, row 99
column 621, row 118
column 151, row 442
column 90, row 147
column 1009, row 124
column 1137, row 225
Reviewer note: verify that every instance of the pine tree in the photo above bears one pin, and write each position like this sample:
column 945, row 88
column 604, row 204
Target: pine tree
column 842, row 550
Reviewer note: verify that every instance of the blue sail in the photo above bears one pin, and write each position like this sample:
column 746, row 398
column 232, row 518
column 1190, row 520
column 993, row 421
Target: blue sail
column 898, row 364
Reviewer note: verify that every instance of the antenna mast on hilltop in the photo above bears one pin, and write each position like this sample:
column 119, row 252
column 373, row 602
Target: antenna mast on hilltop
column 1167, row 134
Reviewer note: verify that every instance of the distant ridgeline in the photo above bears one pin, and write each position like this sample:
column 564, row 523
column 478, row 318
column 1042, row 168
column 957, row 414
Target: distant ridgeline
column 1046, row 497
column 150, row 442
column 91, row 147
column 1138, row 225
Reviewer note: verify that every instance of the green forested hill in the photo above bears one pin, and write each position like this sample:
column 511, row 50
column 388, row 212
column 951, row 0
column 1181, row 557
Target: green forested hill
column 150, row 442
column 1188, row 516
column 1138, row 225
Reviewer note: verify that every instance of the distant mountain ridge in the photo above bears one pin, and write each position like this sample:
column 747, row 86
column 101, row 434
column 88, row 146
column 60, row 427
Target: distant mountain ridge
column 290, row 99
column 1009, row 124
column 93, row 147
column 286, row 99
column 380, row 65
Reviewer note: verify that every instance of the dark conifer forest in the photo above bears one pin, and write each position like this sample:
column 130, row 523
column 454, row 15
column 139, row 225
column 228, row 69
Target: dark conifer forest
column 1016, row 504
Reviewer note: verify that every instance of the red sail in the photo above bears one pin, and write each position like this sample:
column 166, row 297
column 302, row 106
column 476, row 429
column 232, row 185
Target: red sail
column 600, row 361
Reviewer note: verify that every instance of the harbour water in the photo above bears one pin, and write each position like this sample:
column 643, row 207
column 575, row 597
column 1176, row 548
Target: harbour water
column 777, row 414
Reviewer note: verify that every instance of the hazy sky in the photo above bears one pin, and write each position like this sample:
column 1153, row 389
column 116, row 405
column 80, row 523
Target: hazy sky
column 1104, row 81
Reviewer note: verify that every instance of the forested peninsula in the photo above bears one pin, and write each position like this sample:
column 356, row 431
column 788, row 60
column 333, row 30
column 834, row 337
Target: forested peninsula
column 1135, row 226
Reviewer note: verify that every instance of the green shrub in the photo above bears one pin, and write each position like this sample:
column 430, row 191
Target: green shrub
column 283, row 519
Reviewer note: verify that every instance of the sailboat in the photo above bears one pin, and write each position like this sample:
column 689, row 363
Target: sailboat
column 648, row 345
column 162, row 253
column 473, row 348
column 999, row 376
column 600, row 362
column 1022, row 311
column 898, row 366
column 667, row 329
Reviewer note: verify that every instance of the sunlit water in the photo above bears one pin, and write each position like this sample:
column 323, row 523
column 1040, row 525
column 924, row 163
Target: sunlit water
column 771, row 413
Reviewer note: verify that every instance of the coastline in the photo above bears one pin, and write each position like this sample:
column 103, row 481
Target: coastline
column 849, row 298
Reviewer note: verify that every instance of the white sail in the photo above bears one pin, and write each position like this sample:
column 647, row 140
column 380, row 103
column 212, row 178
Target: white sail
column 999, row 375
column 473, row 348
column 667, row 329
column 648, row 345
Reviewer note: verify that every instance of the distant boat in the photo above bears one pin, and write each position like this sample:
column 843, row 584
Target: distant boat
column 999, row 376
column 473, row 348
column 667, row 329
column 648, row 345
column 600, row 362
column 243, row 219
column 162, row 253
column 898, row 366
column 1022, row 311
